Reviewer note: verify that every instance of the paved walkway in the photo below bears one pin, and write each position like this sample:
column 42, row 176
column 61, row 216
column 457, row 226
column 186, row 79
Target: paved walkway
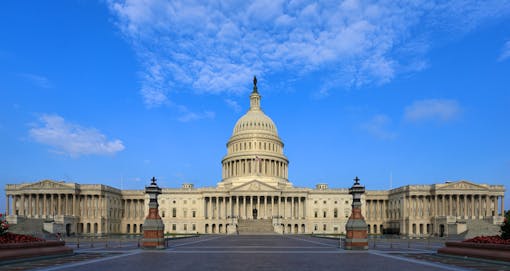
column 266, row 252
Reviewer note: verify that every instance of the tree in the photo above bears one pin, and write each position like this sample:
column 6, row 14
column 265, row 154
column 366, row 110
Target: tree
column 505, row 227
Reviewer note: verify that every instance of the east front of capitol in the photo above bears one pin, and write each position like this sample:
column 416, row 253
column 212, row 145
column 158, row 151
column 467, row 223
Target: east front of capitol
column 254, row 187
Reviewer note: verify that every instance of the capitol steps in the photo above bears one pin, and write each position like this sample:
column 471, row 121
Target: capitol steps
column 479, row 228
column 255, row 226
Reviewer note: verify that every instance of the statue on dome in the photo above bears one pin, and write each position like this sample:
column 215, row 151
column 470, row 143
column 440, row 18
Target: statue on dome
column 255, row 90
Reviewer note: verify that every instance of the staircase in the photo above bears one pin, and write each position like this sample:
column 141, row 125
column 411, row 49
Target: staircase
column 256, row 226
column 479, row 228
column 29, row 226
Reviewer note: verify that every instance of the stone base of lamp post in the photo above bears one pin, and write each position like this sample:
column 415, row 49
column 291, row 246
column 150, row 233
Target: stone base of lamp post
column 153, row 234
column 356, row 238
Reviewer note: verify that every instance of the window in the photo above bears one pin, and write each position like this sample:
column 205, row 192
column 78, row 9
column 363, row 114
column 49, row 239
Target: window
column 185, row 202
column 316, row 214
column 162, row 213
column 174, row 227
column 335, row 213
column 185, row 213
column 174, row 212
column 315, row 227
column 315, row 202
column 193, row 213
column 185, row 227
column 193, row 227
column 324, row 202
column 324, row 214
column 324, row 227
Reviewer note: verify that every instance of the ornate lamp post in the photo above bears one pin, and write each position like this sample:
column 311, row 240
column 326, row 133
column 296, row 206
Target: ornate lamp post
column 153, row 227
column 356, row 226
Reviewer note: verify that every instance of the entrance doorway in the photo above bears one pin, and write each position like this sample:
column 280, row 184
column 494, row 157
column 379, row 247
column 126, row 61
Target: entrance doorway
column 68, row 229
column 441, row 230
column 255, row 213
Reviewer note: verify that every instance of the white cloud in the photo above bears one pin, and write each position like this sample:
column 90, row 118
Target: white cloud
column 378, row 127
column 505, row 53
column 72, row 139
column 432, row 109
column 37, row 80
column 216, row 47
column 233, row 104
column 192, row 116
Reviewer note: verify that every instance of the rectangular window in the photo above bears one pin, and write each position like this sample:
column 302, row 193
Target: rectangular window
column 174, row 212
column 174, row 227
column 193, row 227
column 185, row 227
column 315, row 227
column 185, row 213
column 316, row 214
column 194, row 213
column 324, row 215
column 324, row 227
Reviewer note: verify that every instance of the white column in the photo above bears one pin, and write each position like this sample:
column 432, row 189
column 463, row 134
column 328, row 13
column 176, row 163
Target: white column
column 30, row 211
column 298, row 207
column 502, row 205
column 272, row 207
column 285, row 207
column 480, row 205
column 7, row 212
column 487, row 205
column 259, row 213
column 265, row 206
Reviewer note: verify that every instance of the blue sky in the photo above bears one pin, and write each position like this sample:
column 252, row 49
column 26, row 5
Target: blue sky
column 116, row 92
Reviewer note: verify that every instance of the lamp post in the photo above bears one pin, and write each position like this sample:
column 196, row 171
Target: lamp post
column 153, row 227
column 356, row 226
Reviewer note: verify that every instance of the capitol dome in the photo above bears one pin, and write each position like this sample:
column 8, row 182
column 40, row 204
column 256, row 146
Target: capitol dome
column 255, row 151
column 255, row 121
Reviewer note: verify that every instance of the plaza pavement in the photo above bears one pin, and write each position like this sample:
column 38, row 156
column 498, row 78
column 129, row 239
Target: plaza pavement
column 263, row 252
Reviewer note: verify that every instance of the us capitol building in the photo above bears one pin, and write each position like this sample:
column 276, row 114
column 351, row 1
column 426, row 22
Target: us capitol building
column 255, row 195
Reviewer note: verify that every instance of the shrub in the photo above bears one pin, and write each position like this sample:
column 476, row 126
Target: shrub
column 505, row 227
column 4, row 226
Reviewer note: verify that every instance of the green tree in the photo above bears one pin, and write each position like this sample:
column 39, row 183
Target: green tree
column 505, row 227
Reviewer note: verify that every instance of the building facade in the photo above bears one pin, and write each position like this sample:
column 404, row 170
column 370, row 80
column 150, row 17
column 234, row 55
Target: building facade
column 255, row 187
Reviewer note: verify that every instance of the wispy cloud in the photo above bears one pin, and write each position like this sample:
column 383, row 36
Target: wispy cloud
column 378, row 126
column 72, row 139
column 37, row 80
column 192, row 116
column 505, row 53
column 233, row 104
column 216, row 47
column 432, row 109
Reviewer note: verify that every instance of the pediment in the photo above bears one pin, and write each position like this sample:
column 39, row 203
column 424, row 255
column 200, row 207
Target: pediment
column 463, row 185
column 49, row 184
column 254, row 185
